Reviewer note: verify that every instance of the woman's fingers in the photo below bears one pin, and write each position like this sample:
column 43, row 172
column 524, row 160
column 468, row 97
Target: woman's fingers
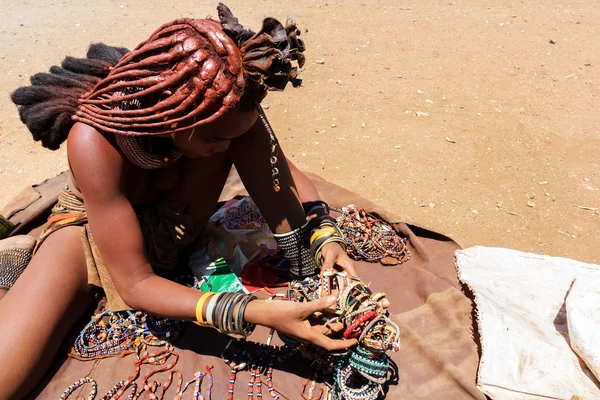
column 341, row 260
column 332, row 344
column 321, row 304
column 347, row 264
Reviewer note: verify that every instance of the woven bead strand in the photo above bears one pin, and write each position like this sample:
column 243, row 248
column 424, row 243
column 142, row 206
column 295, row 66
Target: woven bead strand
column 68, row 391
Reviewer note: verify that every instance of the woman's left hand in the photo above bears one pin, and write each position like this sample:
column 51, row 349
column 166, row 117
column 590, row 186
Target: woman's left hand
column 333, row 254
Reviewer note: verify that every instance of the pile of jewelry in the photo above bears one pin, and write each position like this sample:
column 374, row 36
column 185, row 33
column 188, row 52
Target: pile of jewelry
column 370, row 238
column 359, row 373
column 118, row 334
column 155, row 389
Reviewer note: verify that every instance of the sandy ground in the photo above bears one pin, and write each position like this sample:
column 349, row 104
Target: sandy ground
column 474, row 118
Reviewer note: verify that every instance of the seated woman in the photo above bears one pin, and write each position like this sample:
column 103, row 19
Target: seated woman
column 152, row 136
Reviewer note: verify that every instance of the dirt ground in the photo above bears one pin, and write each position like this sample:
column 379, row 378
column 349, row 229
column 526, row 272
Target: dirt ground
column 476, row 119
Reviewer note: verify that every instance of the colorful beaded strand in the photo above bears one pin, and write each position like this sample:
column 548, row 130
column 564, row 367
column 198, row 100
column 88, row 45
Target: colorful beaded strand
column 78, row 384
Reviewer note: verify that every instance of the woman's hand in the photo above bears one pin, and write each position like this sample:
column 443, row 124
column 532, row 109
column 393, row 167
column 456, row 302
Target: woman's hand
column 292, row 319
column 333, row 254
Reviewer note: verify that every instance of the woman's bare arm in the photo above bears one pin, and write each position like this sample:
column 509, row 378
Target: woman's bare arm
column 306, row 189
column 100, row 171
column 283, row 210
column 250, row 154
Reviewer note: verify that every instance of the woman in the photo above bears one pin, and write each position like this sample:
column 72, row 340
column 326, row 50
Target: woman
column 156, row 133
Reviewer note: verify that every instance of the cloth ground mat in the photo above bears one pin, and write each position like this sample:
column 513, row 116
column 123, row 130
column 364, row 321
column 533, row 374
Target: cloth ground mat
column 438, row 358
column 535, row 315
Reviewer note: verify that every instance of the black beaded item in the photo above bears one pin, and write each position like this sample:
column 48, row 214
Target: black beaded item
column 295, row 246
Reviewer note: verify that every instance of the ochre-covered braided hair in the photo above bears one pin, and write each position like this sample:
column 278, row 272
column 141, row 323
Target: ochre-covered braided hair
column 192, row 67
column 187, row 73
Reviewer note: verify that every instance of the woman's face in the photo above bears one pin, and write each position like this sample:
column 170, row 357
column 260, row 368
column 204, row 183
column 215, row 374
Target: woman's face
column 214, row 137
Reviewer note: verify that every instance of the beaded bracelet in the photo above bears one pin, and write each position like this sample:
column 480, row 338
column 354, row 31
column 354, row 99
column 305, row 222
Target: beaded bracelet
column 369, row 390
column 352, row 331
column 374, row 369
column 295, row 247
column 80, row 383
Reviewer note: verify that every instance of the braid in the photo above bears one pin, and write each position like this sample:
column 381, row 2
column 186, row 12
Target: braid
column 47, row 105
column 267, row 55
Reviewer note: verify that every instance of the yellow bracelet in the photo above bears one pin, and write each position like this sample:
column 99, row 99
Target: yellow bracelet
column 329, row 230
column 200, row 306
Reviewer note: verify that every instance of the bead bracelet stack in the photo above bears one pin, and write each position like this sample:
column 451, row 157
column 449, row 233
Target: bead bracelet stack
column 359, row 373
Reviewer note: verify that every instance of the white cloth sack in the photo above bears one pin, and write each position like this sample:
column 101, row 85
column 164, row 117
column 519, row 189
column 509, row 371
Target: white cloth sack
column 583, row 304
column 522, row 322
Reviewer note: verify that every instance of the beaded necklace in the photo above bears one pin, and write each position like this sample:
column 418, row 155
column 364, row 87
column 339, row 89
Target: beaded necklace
column 155, row 390
column 118, row 334
column 141, row 151
column 369, row 238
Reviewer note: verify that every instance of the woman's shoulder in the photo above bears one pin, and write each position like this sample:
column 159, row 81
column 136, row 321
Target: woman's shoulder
column 93, row 156
column 83, row 135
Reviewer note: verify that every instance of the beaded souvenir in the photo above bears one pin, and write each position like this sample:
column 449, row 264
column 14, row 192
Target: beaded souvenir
column 370, row 238
column 359, row 373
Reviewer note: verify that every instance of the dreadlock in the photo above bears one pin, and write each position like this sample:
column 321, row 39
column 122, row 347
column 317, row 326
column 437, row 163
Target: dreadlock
column 46, row 107
column 188, row 73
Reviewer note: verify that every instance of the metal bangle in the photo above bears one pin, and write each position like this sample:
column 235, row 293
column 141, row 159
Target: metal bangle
column 219, row 310
column 236, row 319
column 246, row 327
column 229, row 313
column 228, row 302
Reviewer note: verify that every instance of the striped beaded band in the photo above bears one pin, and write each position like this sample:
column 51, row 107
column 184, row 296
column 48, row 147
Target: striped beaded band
column 363, row 361
column 369, row 390
column 295, row 247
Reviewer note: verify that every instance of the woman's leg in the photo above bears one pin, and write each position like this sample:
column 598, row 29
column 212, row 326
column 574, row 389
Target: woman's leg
column 39, row 310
